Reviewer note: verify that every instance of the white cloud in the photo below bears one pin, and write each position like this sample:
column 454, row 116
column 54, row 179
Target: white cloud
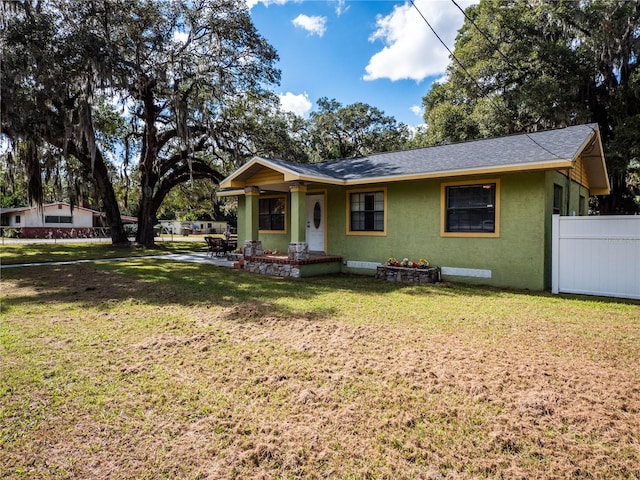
column 314, row 25
column 419, row 129
column 298, row 104
column 442, row 80
column 418, row 110
column 340, row 7
column 411, row 50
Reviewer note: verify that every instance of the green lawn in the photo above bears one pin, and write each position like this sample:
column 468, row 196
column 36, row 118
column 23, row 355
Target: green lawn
column 152, row 369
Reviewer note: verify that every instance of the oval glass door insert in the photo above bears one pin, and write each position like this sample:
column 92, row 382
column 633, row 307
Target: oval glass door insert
column 317, row 215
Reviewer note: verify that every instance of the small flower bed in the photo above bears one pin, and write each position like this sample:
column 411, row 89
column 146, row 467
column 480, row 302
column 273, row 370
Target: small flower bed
column 405, row 262
column 408, row 271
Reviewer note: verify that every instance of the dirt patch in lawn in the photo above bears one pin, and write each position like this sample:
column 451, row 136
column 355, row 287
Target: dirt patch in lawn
column 117, row 379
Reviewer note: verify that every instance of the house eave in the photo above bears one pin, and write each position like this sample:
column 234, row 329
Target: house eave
column 231, row 192
column 276, row 175
column 492, row 170
column 233, row 188
column 593, row 157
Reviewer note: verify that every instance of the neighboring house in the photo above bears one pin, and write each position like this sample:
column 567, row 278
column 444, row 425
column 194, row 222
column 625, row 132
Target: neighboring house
column 481, row 210
column 197, row 226
column 51, row 220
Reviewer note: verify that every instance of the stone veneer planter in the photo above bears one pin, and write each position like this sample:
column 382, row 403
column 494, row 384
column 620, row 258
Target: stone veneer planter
column 281, row 266
column 408, row 275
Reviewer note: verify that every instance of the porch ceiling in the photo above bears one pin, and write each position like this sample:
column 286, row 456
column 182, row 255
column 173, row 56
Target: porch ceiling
column 270, row 174
column 257, row 175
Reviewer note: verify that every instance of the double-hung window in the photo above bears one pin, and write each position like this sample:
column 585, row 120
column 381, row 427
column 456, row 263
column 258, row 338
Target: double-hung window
column 366, row 211
column 271, row 213
column 471, row 209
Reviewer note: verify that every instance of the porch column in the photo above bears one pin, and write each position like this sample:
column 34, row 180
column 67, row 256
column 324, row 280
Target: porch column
column 298, row 212
column 298, row 247
column 251, row 212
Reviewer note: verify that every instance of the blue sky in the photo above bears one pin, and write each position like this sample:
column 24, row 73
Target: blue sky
column 379, row 52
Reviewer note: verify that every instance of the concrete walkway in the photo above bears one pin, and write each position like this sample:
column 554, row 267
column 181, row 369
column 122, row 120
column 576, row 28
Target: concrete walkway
column 162, row 238
column 200, row 257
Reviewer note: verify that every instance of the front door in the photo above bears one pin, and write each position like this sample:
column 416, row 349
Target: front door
column 315, row 222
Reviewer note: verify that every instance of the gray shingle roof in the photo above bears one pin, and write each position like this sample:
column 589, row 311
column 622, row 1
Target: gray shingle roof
column 524, row 149
column 551, row 149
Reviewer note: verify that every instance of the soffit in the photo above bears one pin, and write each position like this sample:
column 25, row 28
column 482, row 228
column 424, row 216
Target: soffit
column 594, row 164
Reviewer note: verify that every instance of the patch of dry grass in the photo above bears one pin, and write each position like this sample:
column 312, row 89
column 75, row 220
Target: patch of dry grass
column 153, row 369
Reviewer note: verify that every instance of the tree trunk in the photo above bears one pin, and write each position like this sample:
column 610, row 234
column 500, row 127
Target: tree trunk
column 106, row 192
column 148, row 174
column 109, row 202
column 145, row 235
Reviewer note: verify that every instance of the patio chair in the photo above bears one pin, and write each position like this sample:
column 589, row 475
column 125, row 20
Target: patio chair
column 215, row 246
column 231, row 245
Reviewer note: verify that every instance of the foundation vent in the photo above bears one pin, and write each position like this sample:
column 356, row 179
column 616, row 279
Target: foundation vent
column 364, row 265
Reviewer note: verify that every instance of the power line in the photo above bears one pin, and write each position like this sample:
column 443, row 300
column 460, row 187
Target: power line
column 478, row 86
column 442, row 42
column 491, row 42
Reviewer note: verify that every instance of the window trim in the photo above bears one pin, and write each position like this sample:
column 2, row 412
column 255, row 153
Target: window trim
column 286, row 214
column 470, row 183
column 369, row 233
column 560, row 189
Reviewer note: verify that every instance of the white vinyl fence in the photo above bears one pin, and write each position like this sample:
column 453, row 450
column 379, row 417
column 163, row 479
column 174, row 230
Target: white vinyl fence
column 596, row 255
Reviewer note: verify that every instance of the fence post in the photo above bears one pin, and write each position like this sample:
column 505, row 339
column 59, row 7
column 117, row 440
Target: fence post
column 555, row 254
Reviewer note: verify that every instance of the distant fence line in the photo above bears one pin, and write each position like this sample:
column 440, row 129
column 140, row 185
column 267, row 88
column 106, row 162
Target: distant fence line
column 55, row 232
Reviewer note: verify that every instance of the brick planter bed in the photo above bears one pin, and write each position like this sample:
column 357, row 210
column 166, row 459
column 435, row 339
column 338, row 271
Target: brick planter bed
column 408, row 275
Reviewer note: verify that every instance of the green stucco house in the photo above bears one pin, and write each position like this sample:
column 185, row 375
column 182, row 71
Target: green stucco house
column 481, row 210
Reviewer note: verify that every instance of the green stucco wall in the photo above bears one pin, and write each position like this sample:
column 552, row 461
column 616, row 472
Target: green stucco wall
column 519, row 258
column 516, row 258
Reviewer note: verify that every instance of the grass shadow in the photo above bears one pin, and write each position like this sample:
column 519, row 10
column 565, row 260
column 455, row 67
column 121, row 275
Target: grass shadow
column 161, row 282
column 164, row 282
column 48, row 252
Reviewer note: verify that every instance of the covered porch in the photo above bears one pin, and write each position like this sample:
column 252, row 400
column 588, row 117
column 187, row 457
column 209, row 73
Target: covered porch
column 282, row 220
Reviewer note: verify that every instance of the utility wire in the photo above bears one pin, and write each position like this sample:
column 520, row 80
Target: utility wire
column 443, row 44
column 478, row 86
column 491, row 42
column 497, row 49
